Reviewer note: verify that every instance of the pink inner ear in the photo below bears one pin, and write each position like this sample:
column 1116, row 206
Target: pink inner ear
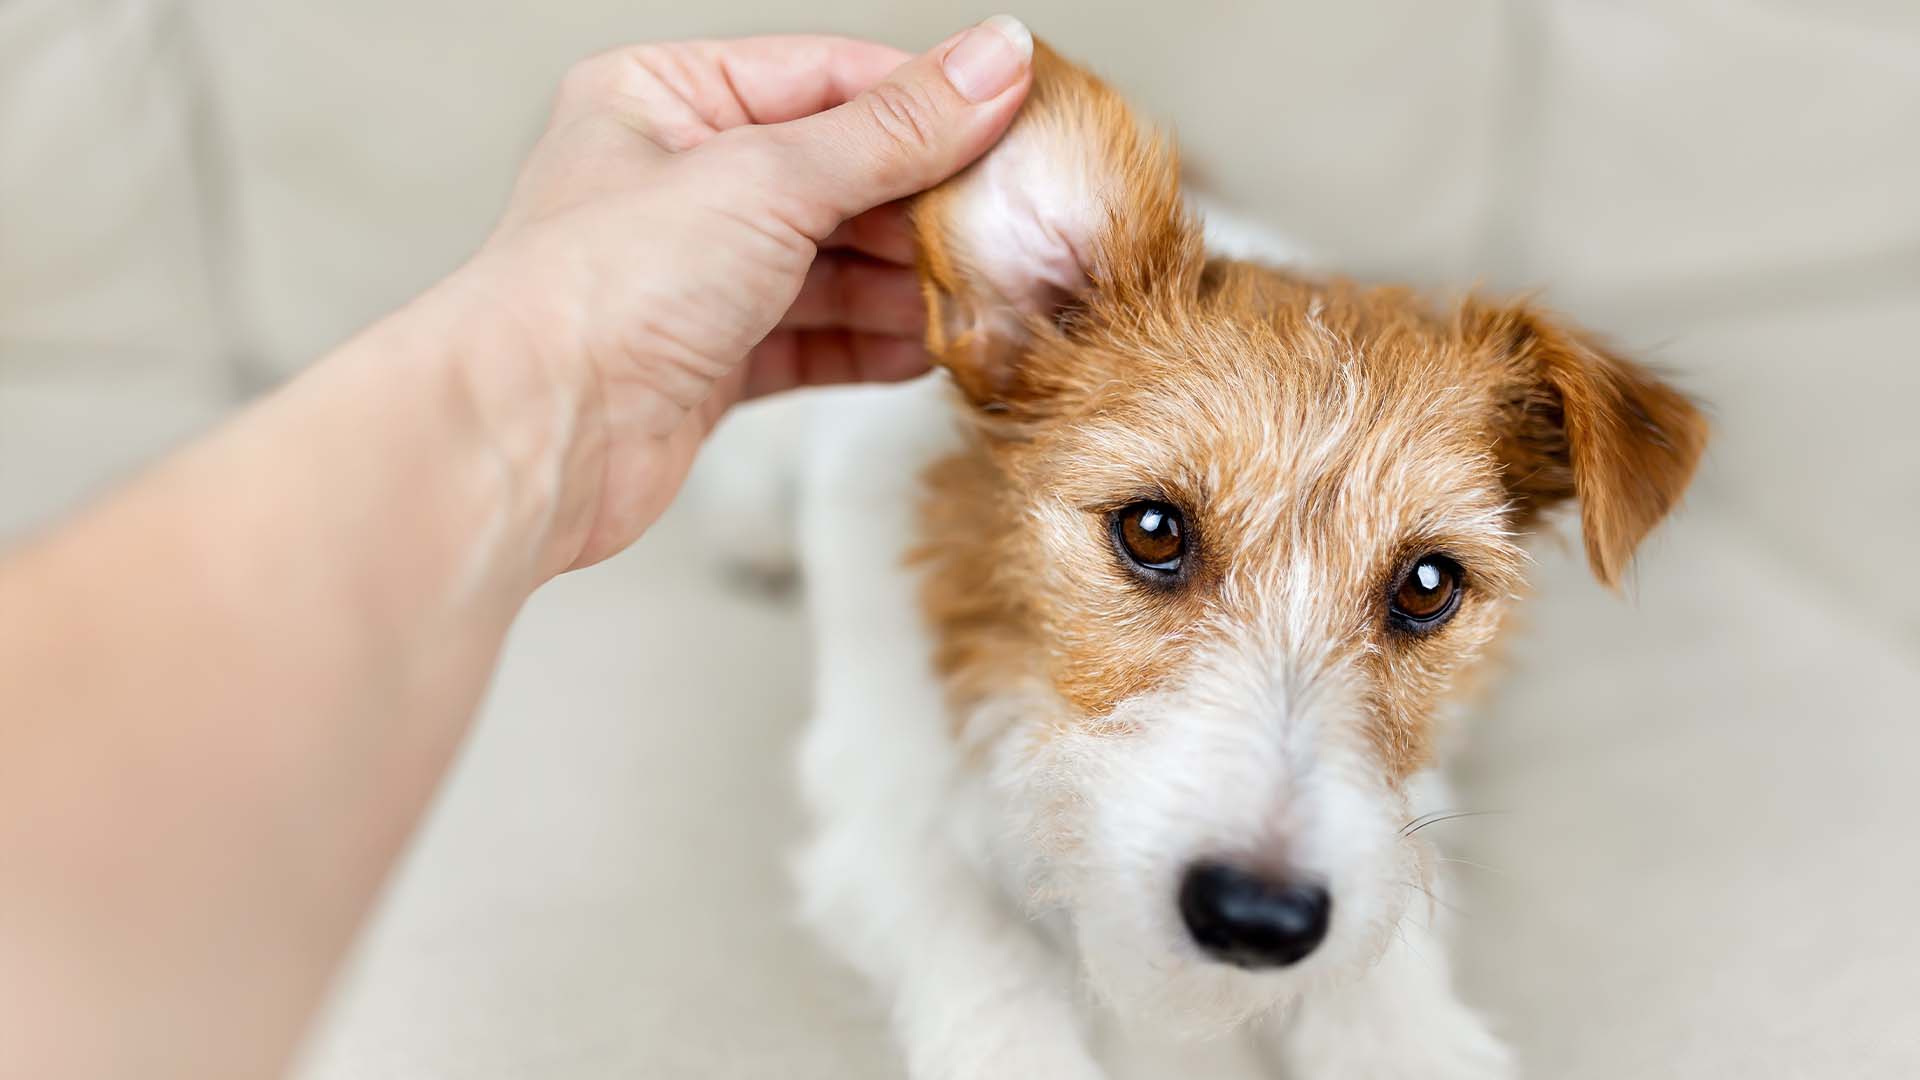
column 1027, row 218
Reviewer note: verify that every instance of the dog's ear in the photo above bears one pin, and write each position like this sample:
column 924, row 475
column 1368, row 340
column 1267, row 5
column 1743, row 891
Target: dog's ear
column 1076, row 204
column 1581, row 421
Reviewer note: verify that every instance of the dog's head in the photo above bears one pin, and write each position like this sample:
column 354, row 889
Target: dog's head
column 1225, row 543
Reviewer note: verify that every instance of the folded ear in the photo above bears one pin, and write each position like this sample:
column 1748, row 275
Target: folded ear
column 1076, row 204
column 1582, row 421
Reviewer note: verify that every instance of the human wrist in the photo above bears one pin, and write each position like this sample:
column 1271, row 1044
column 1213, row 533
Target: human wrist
column 598, row 375
column 529, row 413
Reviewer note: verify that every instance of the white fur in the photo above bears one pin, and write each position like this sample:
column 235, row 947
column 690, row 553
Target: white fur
column 1015, row 903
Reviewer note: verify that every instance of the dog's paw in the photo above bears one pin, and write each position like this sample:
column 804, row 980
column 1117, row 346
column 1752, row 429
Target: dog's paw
column 767, row 567
column 1040, row 1061
column 1474, row 1054
column 1465, row 1050
column 742, row 496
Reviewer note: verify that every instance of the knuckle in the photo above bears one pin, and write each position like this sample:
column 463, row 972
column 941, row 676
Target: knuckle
column 621, row 75
column 587, row 81
column 595, row 86
column 905, row 115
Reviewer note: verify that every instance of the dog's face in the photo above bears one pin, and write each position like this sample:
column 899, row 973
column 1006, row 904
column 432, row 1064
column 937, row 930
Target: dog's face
column 1225, row 545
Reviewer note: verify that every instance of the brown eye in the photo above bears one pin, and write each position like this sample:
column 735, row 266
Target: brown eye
column 1426, row 594
column 1152, row 535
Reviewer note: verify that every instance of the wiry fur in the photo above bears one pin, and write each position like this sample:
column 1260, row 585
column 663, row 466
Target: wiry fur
column 1020, row 746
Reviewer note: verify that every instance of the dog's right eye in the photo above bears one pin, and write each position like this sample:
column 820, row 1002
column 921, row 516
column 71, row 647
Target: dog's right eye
column 1153, row 536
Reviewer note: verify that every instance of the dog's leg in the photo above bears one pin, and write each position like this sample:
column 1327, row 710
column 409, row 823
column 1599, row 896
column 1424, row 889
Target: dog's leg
column 744, row 488
column 976, row 994
column 890, row 879
column 1402, row 1020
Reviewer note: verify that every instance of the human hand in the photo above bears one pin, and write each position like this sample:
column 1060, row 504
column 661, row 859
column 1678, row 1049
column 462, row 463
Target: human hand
column 704, row 222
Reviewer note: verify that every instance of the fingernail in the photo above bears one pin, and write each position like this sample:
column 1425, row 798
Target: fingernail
column 989, row 58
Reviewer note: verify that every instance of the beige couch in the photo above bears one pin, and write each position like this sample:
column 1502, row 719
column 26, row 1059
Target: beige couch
column 1707, row 867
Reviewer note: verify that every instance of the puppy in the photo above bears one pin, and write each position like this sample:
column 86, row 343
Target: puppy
column 1141, row 625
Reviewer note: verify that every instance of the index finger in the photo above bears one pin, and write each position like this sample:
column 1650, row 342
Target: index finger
column 785, row 77
column 700, row 88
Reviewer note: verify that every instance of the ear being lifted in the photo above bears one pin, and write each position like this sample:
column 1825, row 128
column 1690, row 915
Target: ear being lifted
column 1585, row 422
column 1075, row 202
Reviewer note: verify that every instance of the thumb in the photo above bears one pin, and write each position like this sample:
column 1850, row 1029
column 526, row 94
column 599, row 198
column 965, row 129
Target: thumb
column 923, row 123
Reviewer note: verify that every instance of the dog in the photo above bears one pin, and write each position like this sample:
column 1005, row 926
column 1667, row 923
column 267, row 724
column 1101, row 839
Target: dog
column 1143, row 622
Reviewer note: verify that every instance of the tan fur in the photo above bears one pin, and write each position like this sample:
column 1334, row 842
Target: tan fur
column 1583, row 421
column 1316, row 433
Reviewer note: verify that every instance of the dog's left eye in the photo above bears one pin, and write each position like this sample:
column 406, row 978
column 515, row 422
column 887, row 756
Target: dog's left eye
column 1426, row 594
column 1153, row 536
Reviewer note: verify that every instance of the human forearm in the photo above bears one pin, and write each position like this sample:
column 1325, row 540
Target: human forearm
column 285, row 629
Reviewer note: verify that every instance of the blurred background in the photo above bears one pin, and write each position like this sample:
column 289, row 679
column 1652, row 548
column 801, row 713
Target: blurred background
column 1705, row 867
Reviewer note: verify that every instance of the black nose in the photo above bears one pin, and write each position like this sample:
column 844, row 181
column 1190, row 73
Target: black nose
column 1250, row 921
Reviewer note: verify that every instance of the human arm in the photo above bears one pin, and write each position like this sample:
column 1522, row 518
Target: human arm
column 228, row 690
